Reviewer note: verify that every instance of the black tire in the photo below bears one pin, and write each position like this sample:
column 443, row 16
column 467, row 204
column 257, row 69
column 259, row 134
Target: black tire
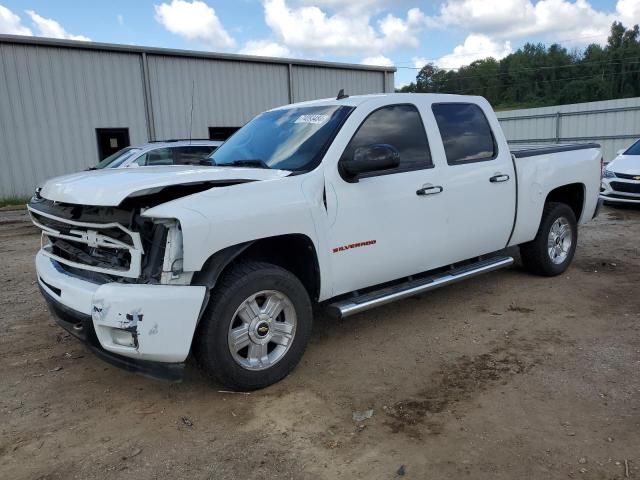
column 535, row 255
column 211, row 345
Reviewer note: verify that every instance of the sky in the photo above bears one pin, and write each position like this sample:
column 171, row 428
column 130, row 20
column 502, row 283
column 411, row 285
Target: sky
column 403, row 33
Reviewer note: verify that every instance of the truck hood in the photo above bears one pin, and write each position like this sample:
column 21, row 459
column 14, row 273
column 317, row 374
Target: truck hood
column 109, row 187
column 627, row 164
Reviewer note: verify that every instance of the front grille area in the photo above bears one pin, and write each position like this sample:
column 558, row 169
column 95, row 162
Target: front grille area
column 115, row 258
column 62, row 226
column 626, row 187
column 107, row 248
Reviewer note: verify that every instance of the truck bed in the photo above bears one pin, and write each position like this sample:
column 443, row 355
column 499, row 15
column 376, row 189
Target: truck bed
column 531, row 150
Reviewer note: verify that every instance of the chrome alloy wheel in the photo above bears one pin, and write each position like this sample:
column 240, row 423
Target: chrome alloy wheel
column 560, row 240
column 262, row 330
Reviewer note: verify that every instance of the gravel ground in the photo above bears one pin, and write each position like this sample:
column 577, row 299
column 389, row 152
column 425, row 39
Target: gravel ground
column 504, row 376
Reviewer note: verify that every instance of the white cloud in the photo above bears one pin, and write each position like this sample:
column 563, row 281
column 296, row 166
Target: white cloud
column 194, row 20
column 493, row 25
column 400, row 32
column 309, row 28
column 120, row 19
column 420, row 62
column 475, row 47
column 559, row 20
column 629, row 11
column 265, row 48
column 11, row 24
column 379, row 60
column 48, row 27
column 483, row 16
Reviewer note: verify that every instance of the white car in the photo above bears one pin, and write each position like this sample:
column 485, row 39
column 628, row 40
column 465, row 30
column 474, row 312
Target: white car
column 344, row 203
column 169, row 152
column 621, row 177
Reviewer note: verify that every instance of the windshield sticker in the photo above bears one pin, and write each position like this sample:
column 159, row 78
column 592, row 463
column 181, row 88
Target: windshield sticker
column 317, row 119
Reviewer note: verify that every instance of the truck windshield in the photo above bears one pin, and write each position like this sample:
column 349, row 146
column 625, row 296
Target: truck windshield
column 290, row 139
column 117, row 159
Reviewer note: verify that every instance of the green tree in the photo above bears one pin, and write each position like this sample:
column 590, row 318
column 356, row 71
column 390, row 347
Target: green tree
column 537, row 75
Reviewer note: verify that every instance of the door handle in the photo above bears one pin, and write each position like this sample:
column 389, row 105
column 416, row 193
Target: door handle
column 499, row 178
column 432, row 190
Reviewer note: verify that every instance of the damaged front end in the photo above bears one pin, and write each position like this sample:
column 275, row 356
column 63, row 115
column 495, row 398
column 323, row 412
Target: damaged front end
column 110, row 243
column 114, row 278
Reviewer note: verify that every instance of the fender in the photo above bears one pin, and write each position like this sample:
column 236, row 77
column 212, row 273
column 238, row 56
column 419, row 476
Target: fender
column 214, row 266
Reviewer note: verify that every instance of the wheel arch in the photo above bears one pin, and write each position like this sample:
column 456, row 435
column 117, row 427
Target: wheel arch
column 294, row 252
column 572, row 194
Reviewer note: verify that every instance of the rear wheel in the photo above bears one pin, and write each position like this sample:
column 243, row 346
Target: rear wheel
column 551, row 251
column 256, row 326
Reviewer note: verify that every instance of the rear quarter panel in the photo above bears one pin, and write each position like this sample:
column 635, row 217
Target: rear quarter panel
column 538, row 175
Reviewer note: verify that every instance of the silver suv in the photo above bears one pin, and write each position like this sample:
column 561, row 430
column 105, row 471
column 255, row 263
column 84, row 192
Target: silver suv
column 169, row 152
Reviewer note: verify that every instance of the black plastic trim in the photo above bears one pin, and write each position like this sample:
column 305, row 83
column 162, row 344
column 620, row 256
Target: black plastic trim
column 216, row 263
column 596, row 212
column 534, row 152
column 625, row 176
column 625, row 187
column 80, row 325
column 515, row 213
column 55, row 290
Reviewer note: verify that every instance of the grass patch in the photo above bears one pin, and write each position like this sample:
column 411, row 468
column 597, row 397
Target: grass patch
column 13, row 201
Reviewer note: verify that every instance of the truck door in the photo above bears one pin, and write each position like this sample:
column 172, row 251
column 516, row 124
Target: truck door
column 480, row 185
column 389, row 223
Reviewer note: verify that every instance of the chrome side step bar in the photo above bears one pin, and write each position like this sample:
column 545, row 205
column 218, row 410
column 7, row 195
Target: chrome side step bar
column 359, row 303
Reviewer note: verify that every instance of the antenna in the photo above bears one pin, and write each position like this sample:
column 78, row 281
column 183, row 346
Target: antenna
column 193, row 88
column 341, row 95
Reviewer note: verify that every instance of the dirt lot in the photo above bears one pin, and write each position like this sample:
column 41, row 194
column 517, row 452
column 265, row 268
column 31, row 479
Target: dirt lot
column 505, row 376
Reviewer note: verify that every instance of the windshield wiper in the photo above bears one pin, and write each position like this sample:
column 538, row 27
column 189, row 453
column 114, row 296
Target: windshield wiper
column 246, row 163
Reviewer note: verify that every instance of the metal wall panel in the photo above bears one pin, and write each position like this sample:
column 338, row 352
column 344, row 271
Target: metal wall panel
column 310, row 83
column 527, row 129
column 51, row 102
column 614, row 124
column 226, row 93
column 55, row 93
column 389, row 86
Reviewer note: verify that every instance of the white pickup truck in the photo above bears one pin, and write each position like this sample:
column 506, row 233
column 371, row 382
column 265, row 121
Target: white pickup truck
column 347, row 203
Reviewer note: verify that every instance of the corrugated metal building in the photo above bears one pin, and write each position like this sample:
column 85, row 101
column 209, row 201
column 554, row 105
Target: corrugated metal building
column 58, row 96
column 614, row 124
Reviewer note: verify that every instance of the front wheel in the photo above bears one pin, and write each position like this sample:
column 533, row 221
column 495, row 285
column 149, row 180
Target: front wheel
column 551, row 251
column 256, row 326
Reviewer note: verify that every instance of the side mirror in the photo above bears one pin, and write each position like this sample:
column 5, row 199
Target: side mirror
column 371, row 158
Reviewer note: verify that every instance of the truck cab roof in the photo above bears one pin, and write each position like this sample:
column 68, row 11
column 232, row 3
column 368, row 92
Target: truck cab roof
column 357, row 100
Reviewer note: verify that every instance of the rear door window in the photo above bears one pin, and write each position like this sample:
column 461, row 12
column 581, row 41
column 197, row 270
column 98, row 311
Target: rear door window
column 465, row 132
